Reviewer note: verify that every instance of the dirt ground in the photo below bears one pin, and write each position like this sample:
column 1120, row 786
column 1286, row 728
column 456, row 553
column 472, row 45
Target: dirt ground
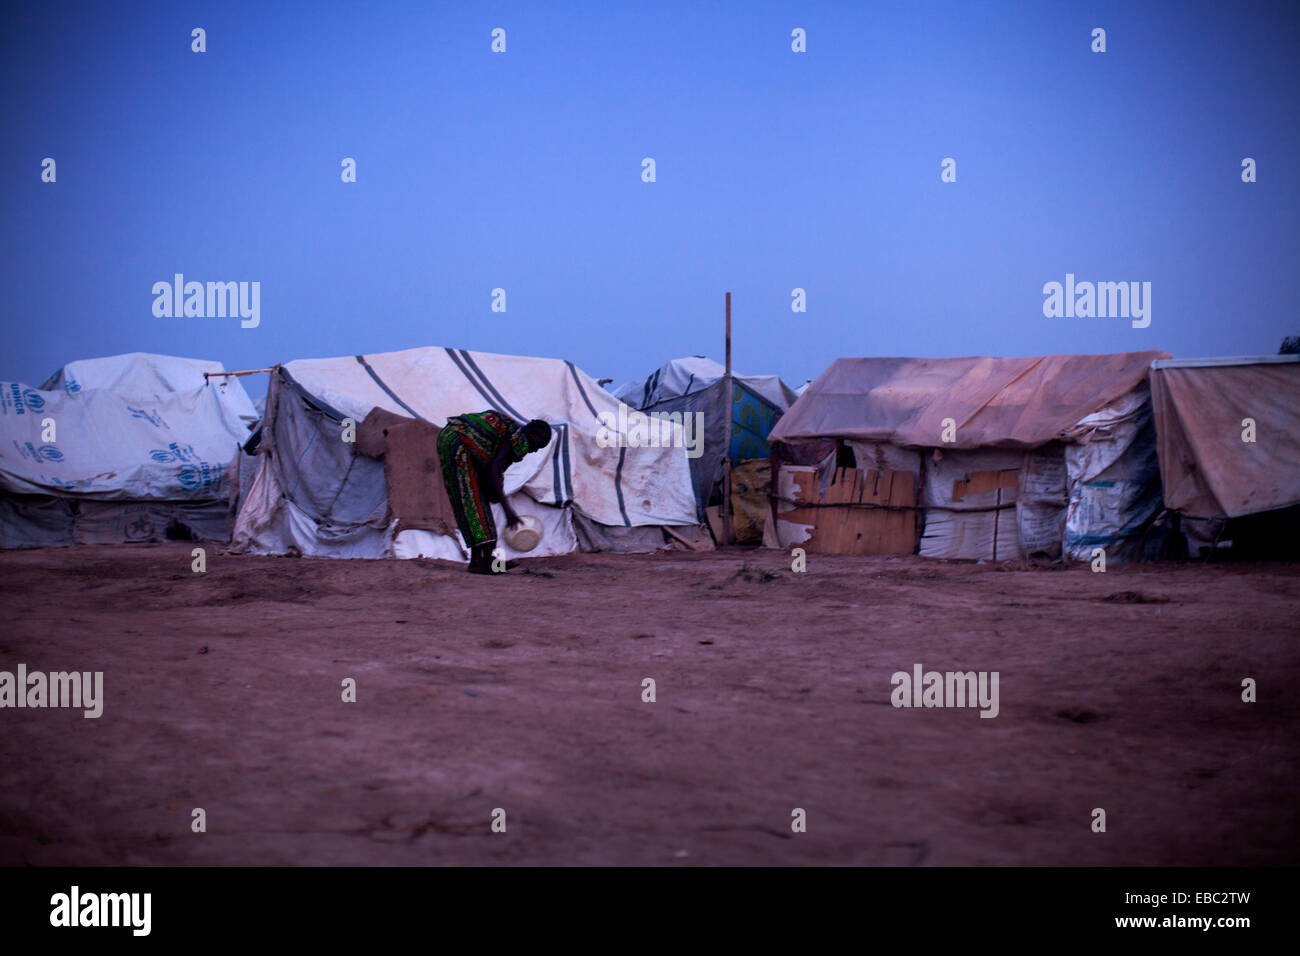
column 223, row 691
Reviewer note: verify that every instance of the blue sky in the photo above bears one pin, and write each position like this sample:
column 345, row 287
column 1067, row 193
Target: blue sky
column 522, row 170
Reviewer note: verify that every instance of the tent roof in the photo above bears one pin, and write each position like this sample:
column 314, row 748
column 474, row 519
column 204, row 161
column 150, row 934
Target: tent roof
column 129, row 427
column 435, row 383
column 1206, row 467
column 994, row 402
column 143, row 376
column 683, row 376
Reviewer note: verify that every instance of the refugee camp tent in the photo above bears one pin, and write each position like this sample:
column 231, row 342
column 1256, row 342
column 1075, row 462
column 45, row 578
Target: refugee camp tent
column 697, row 384
column 316, row 493
column 142, row 376
column 1227, row 437
column 1001, row 457
column 131, row 447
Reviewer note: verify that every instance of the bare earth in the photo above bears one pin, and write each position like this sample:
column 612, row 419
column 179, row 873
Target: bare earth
column 1119, row 690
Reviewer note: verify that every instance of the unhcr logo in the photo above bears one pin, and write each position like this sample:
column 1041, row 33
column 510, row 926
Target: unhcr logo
column 174, row 452
column 216, row 300
column 200, row 476
column 1113, row 300
column 25, row 398
column 38, row 452
column 44, row 452
column 635, row 429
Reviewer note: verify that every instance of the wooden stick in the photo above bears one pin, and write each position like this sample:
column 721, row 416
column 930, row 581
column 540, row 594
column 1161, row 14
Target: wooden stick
column 728, row 537
column 728, row 335
column 251, row 371
column 673, row 534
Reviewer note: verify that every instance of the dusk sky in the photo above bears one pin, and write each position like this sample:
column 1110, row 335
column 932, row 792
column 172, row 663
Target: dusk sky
column 522, row 170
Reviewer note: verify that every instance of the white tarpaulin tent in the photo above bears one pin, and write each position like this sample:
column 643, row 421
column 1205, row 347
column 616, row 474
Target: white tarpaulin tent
column 312, row 495
column 119, row 449
column 142, row 377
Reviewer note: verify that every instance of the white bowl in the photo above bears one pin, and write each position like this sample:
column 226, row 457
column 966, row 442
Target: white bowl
column 524, row 536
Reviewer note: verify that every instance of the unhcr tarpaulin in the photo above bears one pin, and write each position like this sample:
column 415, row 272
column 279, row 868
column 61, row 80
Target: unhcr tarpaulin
column 311, row 493
column 110, row 447
column 118, row 457
column 124, row 442
column 144, row 377
column 992, row 402
column 1207, row 467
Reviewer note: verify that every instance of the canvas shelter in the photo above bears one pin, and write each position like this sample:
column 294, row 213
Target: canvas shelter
column 698, row 384
column 1227, row 440
column 971, row 457
column 313, row 493
column 133, row 447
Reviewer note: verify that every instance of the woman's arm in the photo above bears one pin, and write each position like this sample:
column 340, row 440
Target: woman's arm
column 496, row 476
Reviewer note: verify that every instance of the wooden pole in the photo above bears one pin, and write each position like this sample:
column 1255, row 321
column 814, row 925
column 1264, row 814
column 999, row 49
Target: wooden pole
column 727, row 535
column 251, row 371
column 728, row 335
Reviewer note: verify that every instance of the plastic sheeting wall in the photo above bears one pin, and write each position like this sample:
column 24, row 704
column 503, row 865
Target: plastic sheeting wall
column 1041, row 501
column 979, row 524
column 40, row 521
column 1114, row 480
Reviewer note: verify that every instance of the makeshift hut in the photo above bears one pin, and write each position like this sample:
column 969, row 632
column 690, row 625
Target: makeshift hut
column 988, row 458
